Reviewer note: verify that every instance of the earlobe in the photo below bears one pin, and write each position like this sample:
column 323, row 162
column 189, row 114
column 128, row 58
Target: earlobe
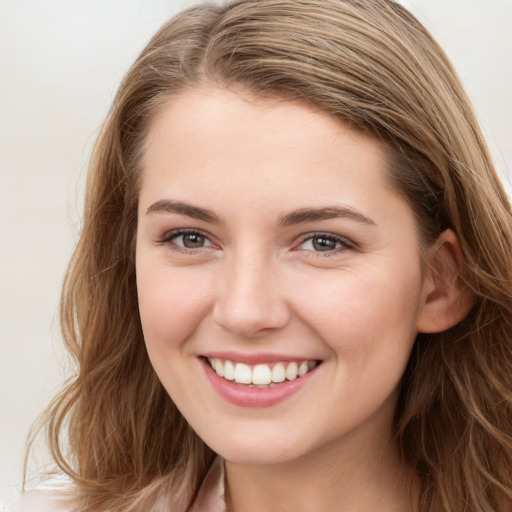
column 446, row 299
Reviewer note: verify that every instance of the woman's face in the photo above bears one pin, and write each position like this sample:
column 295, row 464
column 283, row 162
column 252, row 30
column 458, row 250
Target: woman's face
column 272, row 250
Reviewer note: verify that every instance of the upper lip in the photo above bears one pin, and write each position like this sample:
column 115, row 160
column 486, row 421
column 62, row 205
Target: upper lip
column 259, row 358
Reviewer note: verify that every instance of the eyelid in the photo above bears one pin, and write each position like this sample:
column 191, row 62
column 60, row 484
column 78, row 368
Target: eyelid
column 347, row 244
column 169, row 236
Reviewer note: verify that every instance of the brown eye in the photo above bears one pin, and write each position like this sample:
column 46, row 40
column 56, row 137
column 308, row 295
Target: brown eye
column 184, row 239
column 192, row 240
column 320, row 243
column 326, row 242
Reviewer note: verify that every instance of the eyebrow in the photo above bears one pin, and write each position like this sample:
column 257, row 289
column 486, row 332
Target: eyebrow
column 296, row 217
column 329, row 212
column 196, row 212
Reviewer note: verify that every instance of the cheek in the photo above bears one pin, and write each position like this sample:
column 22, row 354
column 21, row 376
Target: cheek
column 361, row 314
column 171, row 304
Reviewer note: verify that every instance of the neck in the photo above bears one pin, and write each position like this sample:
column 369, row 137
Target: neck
column 342, row 476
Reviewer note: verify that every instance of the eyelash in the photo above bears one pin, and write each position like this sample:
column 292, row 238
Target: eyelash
column 345, row 244
column 170, row 237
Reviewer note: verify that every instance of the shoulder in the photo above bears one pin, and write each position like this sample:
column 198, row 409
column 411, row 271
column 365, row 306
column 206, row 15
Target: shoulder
column 40, row 501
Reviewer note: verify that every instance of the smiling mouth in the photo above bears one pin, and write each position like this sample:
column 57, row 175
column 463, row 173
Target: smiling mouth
column 261, row 375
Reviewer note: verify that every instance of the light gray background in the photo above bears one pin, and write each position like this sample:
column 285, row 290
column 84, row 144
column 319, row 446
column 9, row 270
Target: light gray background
column 60, row 64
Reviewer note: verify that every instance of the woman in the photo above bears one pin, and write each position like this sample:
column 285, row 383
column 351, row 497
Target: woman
column 293, row 286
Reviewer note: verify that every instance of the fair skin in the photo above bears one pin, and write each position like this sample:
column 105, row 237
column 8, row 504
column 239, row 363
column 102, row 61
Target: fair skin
column 269, row 234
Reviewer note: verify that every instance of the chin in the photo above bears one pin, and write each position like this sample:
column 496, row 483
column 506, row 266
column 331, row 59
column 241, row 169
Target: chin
column 264, row 451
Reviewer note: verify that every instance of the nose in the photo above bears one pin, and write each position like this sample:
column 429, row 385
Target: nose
column 249, row 299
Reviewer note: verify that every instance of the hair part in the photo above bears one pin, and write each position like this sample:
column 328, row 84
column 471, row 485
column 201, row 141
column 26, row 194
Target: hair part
column 373, row 65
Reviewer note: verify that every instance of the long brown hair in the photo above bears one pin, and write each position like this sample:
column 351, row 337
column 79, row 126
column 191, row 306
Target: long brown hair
column 373, row 65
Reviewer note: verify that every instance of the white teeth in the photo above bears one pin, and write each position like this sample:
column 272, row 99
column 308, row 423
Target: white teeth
column 291, row 371
column 243, row 373
column 261, row 375
column 278, row 373
column 229, row 370
column 218, row 367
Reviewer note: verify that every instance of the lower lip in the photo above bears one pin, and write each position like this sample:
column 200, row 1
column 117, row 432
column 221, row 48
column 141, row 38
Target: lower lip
column 244, row 396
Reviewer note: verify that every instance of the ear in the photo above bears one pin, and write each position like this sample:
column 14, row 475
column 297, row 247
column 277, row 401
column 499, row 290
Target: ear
column 446, row 300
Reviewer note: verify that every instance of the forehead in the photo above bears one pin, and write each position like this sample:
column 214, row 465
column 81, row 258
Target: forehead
column 222, row 132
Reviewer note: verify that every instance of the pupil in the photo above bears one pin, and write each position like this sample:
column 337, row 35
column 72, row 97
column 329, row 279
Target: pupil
column 193, row 241
column 323, row 244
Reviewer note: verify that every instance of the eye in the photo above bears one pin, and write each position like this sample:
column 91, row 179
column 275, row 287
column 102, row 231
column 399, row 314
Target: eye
column 325, row 242
column 186, row 239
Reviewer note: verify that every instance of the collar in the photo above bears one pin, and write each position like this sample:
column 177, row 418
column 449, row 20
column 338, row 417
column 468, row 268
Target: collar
column 211, row 495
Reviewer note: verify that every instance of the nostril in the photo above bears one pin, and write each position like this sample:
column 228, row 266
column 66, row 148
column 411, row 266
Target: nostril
column 248, row 318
